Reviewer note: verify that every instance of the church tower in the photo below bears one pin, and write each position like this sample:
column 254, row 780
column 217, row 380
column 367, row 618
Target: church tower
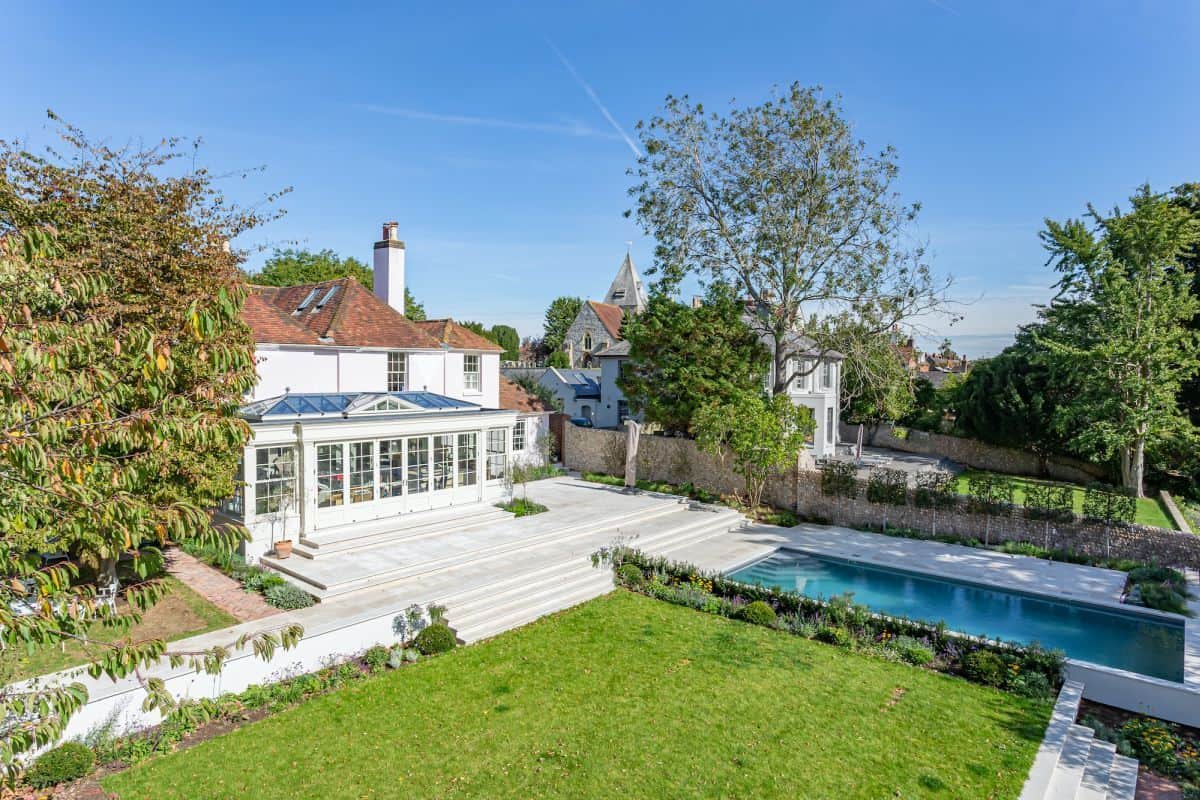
column 627, row 291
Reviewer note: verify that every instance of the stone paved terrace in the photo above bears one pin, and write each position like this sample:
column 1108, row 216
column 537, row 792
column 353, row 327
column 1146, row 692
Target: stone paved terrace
column 1021, row 573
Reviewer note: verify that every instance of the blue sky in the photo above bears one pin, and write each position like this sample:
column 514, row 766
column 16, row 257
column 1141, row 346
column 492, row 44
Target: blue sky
column 507, row 178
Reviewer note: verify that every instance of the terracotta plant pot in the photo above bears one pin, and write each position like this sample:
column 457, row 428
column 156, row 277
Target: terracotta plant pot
column 283, row 548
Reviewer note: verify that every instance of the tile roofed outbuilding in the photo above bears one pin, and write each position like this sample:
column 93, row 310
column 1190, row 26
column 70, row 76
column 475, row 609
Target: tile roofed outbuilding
column 514, row 397
column 457, row 337
column 337, row 312
column 610, row 317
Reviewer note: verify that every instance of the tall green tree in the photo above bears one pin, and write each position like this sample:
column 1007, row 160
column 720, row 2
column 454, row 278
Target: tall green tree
column 123, row 361
column 875, row 385
column 507, row 337
column 1187, row 197
column 289, row 267
column 681, row 358
column 1014, row 399
column 782, row 201
column 1122, row 324
column 762, row 435
column 559, row 316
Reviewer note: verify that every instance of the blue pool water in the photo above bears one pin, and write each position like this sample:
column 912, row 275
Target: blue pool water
column 1128, row 641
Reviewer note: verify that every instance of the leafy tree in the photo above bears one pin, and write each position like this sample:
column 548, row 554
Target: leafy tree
column 932, row 405
column 875, row 386
column 1121, row 325
column 123, row 360
column 289, row 267
column 539, row 391
column 1013, row 399
column 762, row 434
column 559, row 359
column 1187, row 197
column 559, row 316
column 507, row 337
column 783, row 202
column 681, row 358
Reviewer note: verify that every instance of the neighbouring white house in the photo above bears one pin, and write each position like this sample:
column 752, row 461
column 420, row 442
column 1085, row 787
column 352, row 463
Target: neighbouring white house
column 364, row 417
column 577, row 389
column 531, row 432
column 613, row 408
column 817, row 385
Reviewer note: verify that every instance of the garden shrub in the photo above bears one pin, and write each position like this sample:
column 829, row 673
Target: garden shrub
column 1033, row 685
column 888, row 486
column 839, row 479
column 984, row 666
column 1111, row 504
column 1153, row 742
column 935, row 489
column 630, row 575
column 376, row 658
column 286, row 596
column 1152, row 573
column 1049, row 502
column 1161, row 597
column 757, row 613
column 834, row 635
column 991, row 494
column 913, row 651
column 436, row 639
column 67, row 762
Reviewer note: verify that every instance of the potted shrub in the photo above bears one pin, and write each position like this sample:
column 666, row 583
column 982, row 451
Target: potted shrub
column 283, row 548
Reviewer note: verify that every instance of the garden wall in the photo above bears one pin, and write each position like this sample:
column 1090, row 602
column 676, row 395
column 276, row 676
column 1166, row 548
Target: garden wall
column 977, row 454
column 1084, row 538
column 667, row 459
column 675, row 460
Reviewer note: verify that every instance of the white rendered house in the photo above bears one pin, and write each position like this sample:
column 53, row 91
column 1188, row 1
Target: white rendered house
column 817, row 385
column 364, row 417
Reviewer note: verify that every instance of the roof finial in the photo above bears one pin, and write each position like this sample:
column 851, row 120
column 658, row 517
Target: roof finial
column 628, row 248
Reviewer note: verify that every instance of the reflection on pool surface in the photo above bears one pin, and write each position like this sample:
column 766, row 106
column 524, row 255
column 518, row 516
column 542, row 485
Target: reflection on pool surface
column 1124, row 640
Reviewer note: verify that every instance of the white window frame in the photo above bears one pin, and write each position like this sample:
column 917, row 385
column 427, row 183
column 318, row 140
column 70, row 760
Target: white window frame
column 518, row 436
column 472, row 372
column 271, row 490
column 496, row 443
column 397, row 371
column 827, row 375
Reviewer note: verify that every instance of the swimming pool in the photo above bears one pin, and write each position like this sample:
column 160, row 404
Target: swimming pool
column 1124, row 640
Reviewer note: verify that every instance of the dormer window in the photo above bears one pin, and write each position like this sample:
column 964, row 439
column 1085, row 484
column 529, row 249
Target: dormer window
column 306, row 301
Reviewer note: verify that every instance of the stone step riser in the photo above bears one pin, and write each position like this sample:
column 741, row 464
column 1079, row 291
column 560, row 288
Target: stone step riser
column 478, row 629
column 546, row 594
column 397, row 525
column 565, row 569
column 437, row 565
column 315, row 551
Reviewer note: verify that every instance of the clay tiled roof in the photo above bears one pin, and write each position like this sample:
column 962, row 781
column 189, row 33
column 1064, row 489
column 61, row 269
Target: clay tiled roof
column 610, row 317
column 449, row 332
column 338, row 312
column 516, row 398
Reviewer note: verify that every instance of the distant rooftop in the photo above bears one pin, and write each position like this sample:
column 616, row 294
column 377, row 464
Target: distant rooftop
column 350, row 404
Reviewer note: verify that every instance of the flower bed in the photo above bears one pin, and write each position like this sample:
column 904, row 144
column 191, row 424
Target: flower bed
column 1029, row 671
column 1169, row 750
column 271, row 585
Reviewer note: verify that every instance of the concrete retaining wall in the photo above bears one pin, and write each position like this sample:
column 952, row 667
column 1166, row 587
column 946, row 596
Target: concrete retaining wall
column 977, row 454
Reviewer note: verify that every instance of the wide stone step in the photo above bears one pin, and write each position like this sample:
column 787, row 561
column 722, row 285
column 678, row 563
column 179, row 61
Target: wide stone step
column 1122, row 778
column 548, row 594
column 1062, row 718
column 363, row 572
column 1068, row 774
column 485, row 627
column 399, row 529
column 1095, row 775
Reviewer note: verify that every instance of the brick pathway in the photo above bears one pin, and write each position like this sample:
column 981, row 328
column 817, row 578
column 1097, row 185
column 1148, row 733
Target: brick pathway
column 217, row 588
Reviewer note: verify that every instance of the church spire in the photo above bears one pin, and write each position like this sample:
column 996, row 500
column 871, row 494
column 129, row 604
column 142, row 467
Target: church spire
column 627, row 290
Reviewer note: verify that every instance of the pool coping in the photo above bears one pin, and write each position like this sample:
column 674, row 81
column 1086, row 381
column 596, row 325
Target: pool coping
column 1176, row 620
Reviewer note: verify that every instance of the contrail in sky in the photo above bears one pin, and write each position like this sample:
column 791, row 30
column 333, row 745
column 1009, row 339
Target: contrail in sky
column 596, row 99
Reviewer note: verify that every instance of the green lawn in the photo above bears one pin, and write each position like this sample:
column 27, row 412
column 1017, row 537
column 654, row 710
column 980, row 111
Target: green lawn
column 625, row 697
column 180, row 613
column 1149, row 510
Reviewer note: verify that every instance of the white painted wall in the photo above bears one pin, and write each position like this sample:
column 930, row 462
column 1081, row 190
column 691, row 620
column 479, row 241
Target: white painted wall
column 810, row 390
column 295, row 369
column 607, row 413
column 537, row 427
